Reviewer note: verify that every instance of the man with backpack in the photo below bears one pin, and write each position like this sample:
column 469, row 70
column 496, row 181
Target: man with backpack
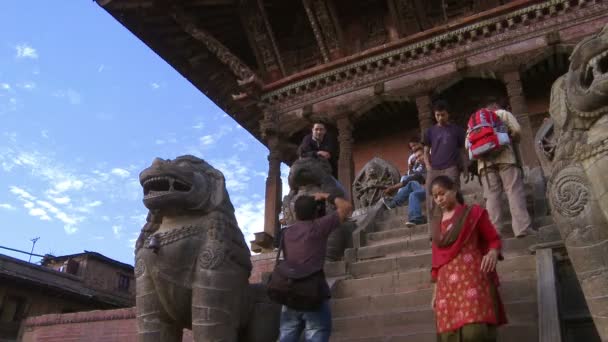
column 304, row 244
column 498, row 164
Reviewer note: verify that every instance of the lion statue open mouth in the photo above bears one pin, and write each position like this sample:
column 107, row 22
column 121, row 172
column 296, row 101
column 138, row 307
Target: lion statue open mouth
column 192, row 264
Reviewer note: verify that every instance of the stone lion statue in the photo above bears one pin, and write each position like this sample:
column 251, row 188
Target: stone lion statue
column 306, row 177
column 573, row 147
column 192, row 263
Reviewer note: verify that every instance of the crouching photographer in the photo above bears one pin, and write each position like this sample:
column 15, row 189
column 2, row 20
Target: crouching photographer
column 298, row 281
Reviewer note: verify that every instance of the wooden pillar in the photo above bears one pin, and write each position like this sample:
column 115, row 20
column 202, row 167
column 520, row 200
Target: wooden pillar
column 549, row 329
column 273, row 188
column 346, row 164
column 520, row 110
column 425, row 115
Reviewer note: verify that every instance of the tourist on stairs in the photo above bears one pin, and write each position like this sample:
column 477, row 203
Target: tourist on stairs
column 305, row 243
column 410, row 190
column 501, row 172
column 465, row 250
column 444, row 151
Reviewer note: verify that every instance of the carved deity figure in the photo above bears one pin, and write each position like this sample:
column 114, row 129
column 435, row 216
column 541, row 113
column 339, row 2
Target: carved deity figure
column 306, row 177
column 192, row 263
column 376, row 175
column 575, row 149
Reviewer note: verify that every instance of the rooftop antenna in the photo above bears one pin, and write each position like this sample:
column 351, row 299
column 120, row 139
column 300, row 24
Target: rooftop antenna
column 34, row 240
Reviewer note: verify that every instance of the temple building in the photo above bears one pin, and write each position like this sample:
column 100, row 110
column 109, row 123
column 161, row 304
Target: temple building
column 371, row 69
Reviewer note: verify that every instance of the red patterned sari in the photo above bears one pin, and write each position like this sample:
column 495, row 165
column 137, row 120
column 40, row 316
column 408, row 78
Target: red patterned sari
column 465, row 294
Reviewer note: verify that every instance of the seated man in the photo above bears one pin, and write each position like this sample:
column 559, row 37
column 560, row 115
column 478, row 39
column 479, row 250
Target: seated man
column 319, row 144
column 410, row 191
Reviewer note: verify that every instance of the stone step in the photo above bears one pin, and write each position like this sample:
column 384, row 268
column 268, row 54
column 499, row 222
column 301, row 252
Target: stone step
column 511, row 291
column 513, row 264
column 370, row 283
column 508, row 333
column 397, row 232
column 415, row 319
column 334, row 268
column 420, row 243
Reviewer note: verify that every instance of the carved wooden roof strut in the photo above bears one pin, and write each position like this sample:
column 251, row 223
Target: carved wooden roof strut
column 316, row 29
column 243, row 73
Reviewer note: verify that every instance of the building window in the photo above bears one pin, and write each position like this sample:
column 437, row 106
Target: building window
column 12, row 309
column 123, row 282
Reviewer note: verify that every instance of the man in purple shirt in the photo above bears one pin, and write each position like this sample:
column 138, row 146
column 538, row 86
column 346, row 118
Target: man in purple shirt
column 444, row 152
column 304, row 244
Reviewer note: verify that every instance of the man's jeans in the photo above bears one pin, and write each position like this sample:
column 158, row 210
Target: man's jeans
column 414, row 194
column 316, row 325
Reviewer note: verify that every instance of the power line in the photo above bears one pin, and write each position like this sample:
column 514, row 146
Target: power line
column 20, row 251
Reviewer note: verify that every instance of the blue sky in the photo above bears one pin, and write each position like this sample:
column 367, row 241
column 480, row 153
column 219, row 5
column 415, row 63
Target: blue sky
column 84, row 107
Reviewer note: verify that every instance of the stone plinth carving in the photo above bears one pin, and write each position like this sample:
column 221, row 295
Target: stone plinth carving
column 192, row 263
column 306, row 177
column 576, row 149
column 374, row 177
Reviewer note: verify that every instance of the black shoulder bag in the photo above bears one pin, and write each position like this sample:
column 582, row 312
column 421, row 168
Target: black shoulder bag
column 297, row 287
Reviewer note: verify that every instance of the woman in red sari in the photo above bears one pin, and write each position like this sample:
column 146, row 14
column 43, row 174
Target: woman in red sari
column 466, row 248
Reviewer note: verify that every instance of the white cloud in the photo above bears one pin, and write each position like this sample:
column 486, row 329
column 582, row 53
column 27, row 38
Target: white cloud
column 66, row 185
column 48, row 206
column 26, row 51
column 5, row 86
column 60, row 200
column 117, row 230
column 120, row 172
column 44, row 133
column 154, row 85
column 240, row 146
column 7, row 206
column 40, row 213
column 95, row 204
column 22, row 193
column 71, row 95
column 199, row 125
column 207, row 139
column 250, row 217
column 159, row 142
column 27, row 85
column 100, row 68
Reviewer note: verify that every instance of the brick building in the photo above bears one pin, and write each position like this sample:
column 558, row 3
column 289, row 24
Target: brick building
column 29, row 290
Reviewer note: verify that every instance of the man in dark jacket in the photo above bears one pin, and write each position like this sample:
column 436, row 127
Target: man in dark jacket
column 319, row 144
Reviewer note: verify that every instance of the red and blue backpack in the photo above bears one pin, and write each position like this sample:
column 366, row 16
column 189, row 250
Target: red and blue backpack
column 486, row 134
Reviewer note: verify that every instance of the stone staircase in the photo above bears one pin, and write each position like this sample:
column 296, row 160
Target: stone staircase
column 383, row 291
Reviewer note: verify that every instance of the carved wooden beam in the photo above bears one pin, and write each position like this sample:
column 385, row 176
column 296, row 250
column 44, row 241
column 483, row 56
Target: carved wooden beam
column 325, row 27
column 316, row 30
column 243, row 73
column 261, row 38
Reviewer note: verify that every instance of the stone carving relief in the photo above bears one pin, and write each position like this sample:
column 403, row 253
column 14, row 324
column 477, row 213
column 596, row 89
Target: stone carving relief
column 578, row 165
column 192, row 263
column 306, row 177
column 370, row 182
